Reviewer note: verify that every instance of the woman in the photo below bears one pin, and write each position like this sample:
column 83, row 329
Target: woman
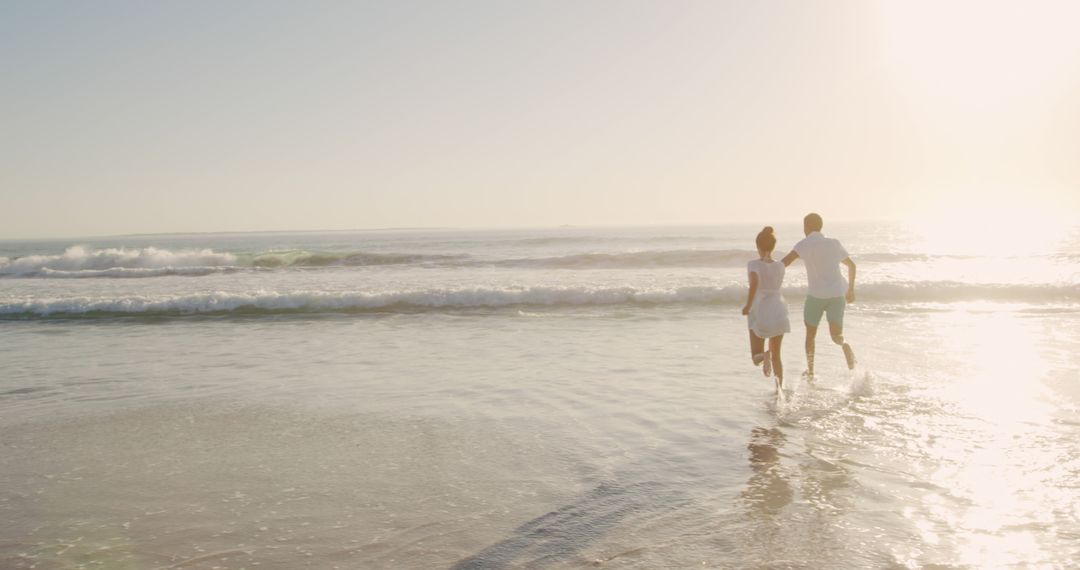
column 765, row 307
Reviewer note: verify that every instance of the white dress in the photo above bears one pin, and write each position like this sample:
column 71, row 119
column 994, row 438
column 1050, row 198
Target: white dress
column 768, row 315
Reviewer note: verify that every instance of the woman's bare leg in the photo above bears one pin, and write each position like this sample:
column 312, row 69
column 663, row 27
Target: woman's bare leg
column 757, row 349
column 774, row 353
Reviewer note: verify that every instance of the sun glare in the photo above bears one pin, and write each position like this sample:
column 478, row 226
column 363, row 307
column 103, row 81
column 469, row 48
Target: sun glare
column 958, row 226
column 977, row 56
column 999, row 393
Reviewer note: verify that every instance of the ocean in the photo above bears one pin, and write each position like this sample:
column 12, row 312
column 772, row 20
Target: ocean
column 535, row 398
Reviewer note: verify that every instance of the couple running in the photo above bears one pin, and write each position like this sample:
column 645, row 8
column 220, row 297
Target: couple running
column 828, row 293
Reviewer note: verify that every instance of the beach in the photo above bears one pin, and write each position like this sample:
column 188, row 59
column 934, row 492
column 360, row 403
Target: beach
column 545, row 398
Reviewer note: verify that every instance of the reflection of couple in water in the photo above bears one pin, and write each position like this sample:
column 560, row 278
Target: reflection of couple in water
column 827, row 294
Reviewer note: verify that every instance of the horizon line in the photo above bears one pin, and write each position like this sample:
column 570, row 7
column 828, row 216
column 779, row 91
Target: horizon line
column 423, row 228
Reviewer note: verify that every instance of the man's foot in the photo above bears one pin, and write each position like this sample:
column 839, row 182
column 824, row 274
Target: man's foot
column 849, row 355
column 807, row 375
column 767, row 369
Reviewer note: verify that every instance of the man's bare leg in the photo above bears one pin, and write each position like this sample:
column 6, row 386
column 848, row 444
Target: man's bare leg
column 811, row 333
column 837, row 333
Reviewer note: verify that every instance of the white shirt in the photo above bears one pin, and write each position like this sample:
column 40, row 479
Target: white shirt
column 770, row 275
column 822, row 257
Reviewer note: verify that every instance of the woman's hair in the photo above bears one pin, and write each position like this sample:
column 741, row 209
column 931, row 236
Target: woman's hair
column 766, row 241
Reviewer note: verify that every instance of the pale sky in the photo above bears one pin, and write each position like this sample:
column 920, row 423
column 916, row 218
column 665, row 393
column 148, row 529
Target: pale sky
column 143, row 117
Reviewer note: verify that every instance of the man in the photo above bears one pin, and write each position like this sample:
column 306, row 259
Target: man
column 828, row 293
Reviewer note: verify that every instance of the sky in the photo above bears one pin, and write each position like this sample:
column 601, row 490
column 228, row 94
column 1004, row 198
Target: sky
column 199, row 116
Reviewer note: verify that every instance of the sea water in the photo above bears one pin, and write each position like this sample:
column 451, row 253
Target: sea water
column 545, row 398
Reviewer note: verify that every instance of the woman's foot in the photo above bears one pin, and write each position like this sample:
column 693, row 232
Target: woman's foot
column 767, row 368
column 758, row 357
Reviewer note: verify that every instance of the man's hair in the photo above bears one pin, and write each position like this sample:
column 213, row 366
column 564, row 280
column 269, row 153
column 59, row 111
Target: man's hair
column 813, row 222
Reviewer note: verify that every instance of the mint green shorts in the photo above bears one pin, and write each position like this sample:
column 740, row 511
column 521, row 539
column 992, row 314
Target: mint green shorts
column 832, row 308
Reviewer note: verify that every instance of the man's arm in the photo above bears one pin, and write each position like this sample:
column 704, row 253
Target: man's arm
column 850, row 279
column 789, row 258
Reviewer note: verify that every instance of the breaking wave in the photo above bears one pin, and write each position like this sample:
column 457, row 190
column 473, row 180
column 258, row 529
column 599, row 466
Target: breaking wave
column 133, row 272
column 419, row 300
column 80, row 258
column 82, row 261
column 363, row 301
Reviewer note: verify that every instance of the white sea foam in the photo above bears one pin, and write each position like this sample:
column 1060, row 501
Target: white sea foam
column 80, row 258
column 320, row 301
column 82, row 261
column 954, row 291
column 107, row 262
column 133, row 272
column 494, row 297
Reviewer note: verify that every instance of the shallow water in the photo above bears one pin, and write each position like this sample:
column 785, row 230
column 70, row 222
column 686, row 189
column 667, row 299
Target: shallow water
column 480, row 435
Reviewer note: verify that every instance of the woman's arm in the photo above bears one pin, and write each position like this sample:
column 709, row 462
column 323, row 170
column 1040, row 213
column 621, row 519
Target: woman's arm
column 750, row 295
